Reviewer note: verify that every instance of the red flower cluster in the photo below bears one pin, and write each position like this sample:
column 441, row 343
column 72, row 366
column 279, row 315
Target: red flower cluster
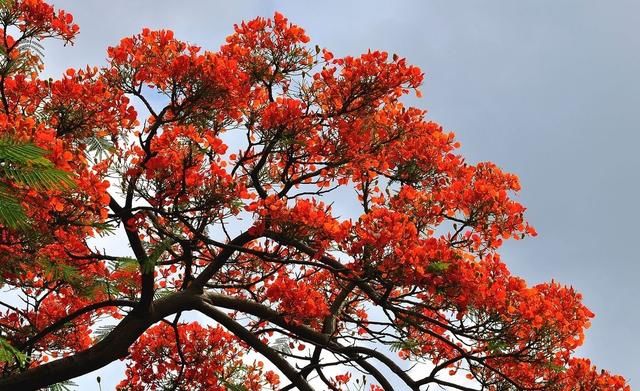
column 192, row 357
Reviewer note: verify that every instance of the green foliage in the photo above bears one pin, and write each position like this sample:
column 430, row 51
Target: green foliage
column 25, row 164
column 556, row 368
column 22, row 153
column 101, row 332
column 29, row 59
column 99, row 147
column 38, row 177
column 156, row 253
column 160, row 293
column 409, row 345
column 104, row 229
column 62, row 386
column 234, row 380
column 70, row 275
column 125, row 263
column 9, row 354
column 438, row 267
column 59, row 271
column 497, row 347
column 11, row 213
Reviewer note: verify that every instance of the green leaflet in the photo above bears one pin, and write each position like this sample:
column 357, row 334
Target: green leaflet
column 37, row 177
column 438, row 267
column 99, row 146
column 9, row 354
column 67, row 385
column 101, row 332
column 156, row 253
column 11, row 213
column 22, row 153
column 25, row 164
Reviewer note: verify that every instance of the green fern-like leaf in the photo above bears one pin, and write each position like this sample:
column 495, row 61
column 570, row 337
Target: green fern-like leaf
column 104, row 229
column 22, row 153
column 124, row 263
column 11, row 213
column 67, row 385
column 39, row 178
column 99, row 147
column 101, row 332
column 9, row 354
column 438, row 267
column 33, row 46
column 30, row 57
column 25, row 164
column 161, row 293
column 156, row 253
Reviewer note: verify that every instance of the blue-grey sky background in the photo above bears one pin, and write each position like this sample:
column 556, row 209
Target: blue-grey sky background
column 547, row 89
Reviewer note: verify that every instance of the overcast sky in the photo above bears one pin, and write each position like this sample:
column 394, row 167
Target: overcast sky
column 547, row 89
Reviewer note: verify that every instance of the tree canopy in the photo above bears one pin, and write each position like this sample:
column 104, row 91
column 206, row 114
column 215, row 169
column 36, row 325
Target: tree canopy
column 223, row 187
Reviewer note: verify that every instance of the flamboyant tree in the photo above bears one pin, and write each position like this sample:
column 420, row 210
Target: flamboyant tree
column 223, row 188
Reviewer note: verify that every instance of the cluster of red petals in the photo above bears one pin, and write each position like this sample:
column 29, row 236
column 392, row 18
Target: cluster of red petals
column 185, row 175
column 582, row 375
column 192, row 357
column 305, row 218
column 260, row 40
column 41, row 20
column 297, row 300
column 211, row 84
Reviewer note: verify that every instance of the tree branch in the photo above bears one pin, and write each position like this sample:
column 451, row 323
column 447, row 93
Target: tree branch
column 252, row 340
column 66, row 319
column 114, row 346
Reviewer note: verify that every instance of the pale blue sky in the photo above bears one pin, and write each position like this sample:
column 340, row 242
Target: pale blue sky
column 546, row 89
